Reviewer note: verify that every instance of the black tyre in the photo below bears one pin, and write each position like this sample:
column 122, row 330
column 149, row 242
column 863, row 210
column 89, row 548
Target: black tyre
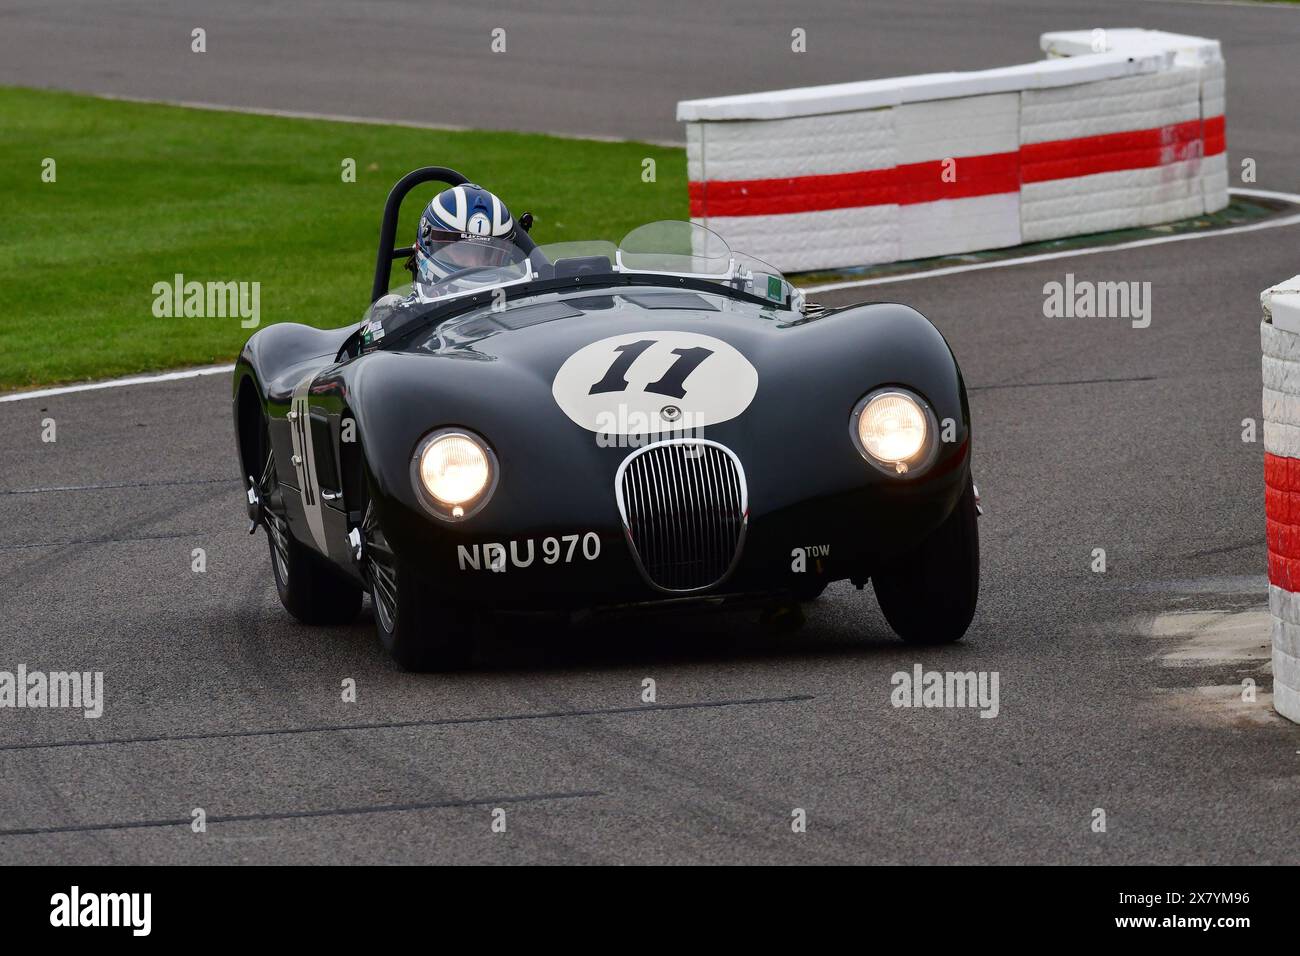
column 309, row 588
column 929, row 597
column 420, row 633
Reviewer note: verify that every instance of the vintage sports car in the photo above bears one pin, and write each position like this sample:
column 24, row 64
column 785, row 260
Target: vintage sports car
column 583, row 427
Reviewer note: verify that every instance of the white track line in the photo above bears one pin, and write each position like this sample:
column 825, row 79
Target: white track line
column 1290, row 220
column 1257, row 4
column 374, row 121
column 118, row 383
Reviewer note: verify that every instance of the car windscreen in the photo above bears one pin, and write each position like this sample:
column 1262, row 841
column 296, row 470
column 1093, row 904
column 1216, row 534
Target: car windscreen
column 669, row 249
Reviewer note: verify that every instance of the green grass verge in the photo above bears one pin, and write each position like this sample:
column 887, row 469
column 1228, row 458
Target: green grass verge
column 144, row 192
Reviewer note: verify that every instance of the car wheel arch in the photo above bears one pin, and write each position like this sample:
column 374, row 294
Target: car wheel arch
column 250, row 419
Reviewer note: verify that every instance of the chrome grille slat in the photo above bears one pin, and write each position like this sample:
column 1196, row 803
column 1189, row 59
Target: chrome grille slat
column 668, row 543
column 719, row 514
column 689, row 470
column 681, row 550
column 716, row 536
column 659, row 512
column 684, row 507
column 633, row 502
column 695, row 466
column 681, row 547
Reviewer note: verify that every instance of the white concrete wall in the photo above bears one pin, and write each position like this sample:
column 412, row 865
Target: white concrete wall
column 855, row 173
column 1280, row 341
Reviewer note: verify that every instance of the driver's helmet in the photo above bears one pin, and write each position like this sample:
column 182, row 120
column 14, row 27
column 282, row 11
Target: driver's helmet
column 464, row 227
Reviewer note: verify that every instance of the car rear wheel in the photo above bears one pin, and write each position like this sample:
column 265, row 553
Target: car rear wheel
column 420, row 633
column 929, row 597
column 309, row 589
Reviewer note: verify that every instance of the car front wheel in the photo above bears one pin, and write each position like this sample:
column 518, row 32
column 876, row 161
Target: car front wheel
column 308, row 587
column 420, row 633
column 929, row 597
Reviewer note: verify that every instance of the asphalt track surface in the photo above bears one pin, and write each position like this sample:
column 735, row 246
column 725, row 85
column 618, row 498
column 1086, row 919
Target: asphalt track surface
column 1089, row 434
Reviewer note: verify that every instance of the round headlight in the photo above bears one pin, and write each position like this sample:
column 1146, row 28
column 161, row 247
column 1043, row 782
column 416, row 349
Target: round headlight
column 455, row 470
column 893, row 428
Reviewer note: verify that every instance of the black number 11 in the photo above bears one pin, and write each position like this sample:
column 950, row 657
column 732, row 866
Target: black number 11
column 615, row 379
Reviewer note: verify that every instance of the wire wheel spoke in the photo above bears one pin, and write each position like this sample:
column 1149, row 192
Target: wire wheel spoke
column 383, row 587
column 266, row 484
column 279, row 537
column 277, row 528
column 380, row 568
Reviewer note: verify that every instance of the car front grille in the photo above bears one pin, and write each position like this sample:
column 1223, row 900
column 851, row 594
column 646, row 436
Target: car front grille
column 684, row 506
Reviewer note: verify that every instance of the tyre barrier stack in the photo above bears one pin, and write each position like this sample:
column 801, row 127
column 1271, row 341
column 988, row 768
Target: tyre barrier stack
column 1280, row 340
column 944, row 163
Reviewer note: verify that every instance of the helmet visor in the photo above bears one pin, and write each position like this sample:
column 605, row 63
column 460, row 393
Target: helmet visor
column 474, row 254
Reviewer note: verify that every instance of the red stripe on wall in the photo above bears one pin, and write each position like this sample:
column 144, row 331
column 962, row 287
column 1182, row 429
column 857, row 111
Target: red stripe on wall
column 1282, row 520
column 1110, row 152
column 986, row 175
column 970, row 175
column 1216, row 140
column 752, row 197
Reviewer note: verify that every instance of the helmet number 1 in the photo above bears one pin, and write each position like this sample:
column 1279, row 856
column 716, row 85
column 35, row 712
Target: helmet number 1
column 670, row 383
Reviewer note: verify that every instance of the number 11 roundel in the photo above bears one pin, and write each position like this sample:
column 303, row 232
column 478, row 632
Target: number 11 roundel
column 651, row 382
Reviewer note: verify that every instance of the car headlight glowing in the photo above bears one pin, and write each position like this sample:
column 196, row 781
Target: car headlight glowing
column 456, row 470
column 893, row 430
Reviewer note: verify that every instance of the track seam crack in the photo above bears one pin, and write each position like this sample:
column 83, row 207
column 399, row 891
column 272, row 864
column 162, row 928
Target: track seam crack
column 400, row 724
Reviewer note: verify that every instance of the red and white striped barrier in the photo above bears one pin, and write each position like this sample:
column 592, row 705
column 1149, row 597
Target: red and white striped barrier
column 1280, row 338
column 943, row 163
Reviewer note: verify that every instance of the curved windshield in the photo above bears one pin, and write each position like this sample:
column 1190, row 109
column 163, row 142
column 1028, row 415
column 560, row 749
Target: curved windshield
column 668, row 247
column 580, row 249
column 765, row 280
column 676, row 248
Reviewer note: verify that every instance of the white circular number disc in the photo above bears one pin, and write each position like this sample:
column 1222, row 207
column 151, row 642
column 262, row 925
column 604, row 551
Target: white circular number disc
column 654, row 382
